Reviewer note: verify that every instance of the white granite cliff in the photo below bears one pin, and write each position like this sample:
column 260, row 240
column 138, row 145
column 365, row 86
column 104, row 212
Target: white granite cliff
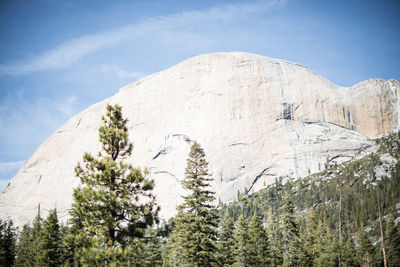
column 256, row 117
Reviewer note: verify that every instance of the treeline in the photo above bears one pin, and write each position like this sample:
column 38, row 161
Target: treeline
column 344, row 216
column 345, row 199
column 352, row 186
column 280, row 242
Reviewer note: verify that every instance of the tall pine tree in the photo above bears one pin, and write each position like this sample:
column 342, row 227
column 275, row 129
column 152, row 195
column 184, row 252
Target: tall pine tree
column 349, row 252
column 114, row 204
column 152, row 254
column 325, row 253
column 226, row 242
column 275, row 237
column 50, row 244
column 241, row 236
column 292, row 249
column 393, row 242
column 23, row 248
column 28, row 245
column 258, row 246
column 7, row 243
column 193, row 240
column 366, row 249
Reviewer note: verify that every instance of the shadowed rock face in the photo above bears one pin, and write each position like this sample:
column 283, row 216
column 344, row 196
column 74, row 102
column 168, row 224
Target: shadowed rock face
column 257, row 118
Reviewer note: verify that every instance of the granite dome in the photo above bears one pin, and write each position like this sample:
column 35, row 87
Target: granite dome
column 257, row 118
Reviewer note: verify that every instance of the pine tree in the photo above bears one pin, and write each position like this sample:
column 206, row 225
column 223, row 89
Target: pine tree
column 114, row 204
column 72, row 243
column 275, row 238
column 325, row 253
column 226, row 242
column 309, row 235
column 241, row 236
column 293, row 252
column 366, row 249
column 23, row 257
column 151, row 255
column 194, row 236
column 7, row 243
column 50, row 244
column 393, row 242
column 258, row 246
column 349, row 252
column 28, row 245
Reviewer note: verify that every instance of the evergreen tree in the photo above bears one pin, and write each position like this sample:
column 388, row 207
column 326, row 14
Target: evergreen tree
column 72, row 244
column 114, row 204
column 325, row 254
column 151, row 255
column 22, row 253
column 275, row 237
column 7, row 243
column 349, row 252
column 241, row 237
column 393, row 242
column 366, row 249
column 193, row 238
column 291, row 238
column 28, row 245
column 258, row 245
column 226, row 242
column 50, row 244
column 308, row 236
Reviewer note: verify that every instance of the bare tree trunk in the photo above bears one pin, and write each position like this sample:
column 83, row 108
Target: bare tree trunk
column 382, row 238
column 340, row 227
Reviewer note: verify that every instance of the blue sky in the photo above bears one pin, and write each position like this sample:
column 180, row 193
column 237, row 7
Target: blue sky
column 57, row 57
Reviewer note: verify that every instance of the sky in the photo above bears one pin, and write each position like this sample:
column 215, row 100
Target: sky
column 57, row 57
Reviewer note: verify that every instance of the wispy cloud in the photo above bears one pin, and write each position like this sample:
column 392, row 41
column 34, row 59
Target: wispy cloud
column 73, row 50
column 6, row 167
column 120, row 73
column 8, row 170
column 68, row 107
column 26, row 121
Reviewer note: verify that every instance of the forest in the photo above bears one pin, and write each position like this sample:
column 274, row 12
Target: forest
column 346, row 215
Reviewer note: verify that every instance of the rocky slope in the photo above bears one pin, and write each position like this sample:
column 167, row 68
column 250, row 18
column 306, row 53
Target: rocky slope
column 256, row 117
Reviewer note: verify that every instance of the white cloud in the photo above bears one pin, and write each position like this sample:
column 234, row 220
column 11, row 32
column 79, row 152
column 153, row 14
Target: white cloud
column 67, row 108
column 73, row 50
column 120, row 73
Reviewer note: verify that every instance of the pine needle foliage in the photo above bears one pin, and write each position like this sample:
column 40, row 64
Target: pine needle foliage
column 50, row 244
column 7, row 243
column 226, row 242
column 114, row 204
column 28, row 245
column 193, row 240
column 241, row 249
column 291, row 238
column 258, row 246
column 393, row 242
column 23, row 257
column 366, row 249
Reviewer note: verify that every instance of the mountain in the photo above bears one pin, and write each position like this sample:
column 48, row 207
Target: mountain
column 351, row 191
column 257, row 118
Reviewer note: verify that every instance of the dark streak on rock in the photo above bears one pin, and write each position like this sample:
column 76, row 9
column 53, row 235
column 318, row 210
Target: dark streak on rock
column 257, row 177
column 184, row 137
column 236, row 144
column 162, row 152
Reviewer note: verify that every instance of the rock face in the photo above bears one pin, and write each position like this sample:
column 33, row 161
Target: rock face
column 257, row 118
